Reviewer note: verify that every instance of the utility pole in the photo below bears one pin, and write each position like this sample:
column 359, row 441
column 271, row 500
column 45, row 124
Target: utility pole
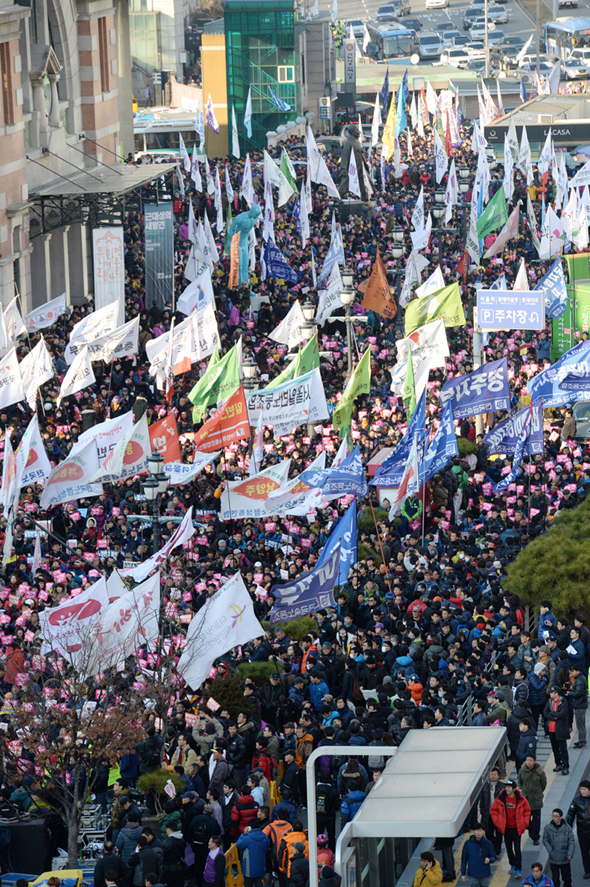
column 477, row 362
column 486, row 43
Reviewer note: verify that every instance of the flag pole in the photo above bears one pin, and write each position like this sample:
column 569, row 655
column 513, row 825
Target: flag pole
column 379, row 540
column 477, row 363
column 424, row 486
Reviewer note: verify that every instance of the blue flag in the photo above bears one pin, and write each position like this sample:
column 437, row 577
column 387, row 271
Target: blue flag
column 518, row 454
column 503, row 439
column 405, row 86
column 546, row 385
column 335, row 254
column 401, row 120
column 210, row 118
column 348, row 477
column 344, row 535
column 444, row 445
column 384, row 94
column 401, row 454
column 312, row 591
column 555, row 290
column 522, row 91
column 484, row 390
column 276, row 264
column 297, row 214
column 279, row 102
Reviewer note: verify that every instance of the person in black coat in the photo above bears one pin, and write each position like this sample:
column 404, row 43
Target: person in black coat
column 173, row 846
column 109, row 862
column 290, row 778
column 556, row 716
column 147, row 859
column 299, row 866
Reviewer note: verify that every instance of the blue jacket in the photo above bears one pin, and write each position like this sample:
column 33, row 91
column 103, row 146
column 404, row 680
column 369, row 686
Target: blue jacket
column 537, row 694
column 527, row 744
column 579, row 657
column 473, row 856
column 351, row 805
column 316, row 691
column 253, row 848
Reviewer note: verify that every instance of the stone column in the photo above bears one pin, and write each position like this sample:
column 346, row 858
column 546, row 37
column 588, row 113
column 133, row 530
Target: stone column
column 54, row 115
column 41, row 270
column 60, row 263
column 78, row 257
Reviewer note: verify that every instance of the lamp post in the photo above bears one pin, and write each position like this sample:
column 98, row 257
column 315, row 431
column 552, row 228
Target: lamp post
column 154, row 485
column 398, row 234
column 308, row 309
column 346, row 297
column 249, row 369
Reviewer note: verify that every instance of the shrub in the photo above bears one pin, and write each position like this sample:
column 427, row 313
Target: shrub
column 153, row 783
column 365, row 551
column 365, row 519
column 228, row 692
column 298, row 628
column 466, row 447
column 258, row 671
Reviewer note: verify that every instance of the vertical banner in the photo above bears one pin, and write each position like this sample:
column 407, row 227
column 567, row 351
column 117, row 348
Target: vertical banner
column 109, row 266
column 234, row 269
column 159, row 253
column 349, row 64
column 568, row 329
column 164, row 438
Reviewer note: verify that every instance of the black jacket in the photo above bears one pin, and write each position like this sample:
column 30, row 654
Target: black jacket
column 562, row 730
column 145, row 861
column 173, row 847
column 299, row 870
column 578, row 695
column 110, row 862
column 236, row 753
column 579, row 810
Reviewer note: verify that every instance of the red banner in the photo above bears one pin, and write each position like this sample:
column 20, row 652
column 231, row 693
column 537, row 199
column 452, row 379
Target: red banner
column 164, row 438
column 227, row 425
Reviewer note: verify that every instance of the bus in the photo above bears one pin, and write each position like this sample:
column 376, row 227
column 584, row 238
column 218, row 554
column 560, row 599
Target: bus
column 398, row 42
column 565, row 34
column 157, row 129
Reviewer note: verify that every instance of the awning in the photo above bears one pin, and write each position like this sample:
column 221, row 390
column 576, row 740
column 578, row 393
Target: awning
column 115, row 179
column 429, row 787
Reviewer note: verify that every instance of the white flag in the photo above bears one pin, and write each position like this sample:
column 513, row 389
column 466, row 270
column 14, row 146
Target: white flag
column 247, row 187
column 257, row 449
column 544, row 161
column 522, row 52
column 248, row 114
column 106, row 435
column 93, row 326
column 509, row 231
column 129, row 457
column 181, row 473
column 472, row 236
column 329, row 298
column 313, row 155
column 376, row 122
column 183, row 533
column 197, row 295
column 64, row 628
column 418, row 217
column 79, row 375
column 184, row 153
column 13, row 323
column 36, row 464
column 36, row 368
column 235, row 139
column 228, row 186
column 521, row 284
column 524, row 157
column 210, row 239
column 196, row 173
column 324, row 178
column 508, row 180
column 122, row 342
column 420, row 238
column 11, row 385
column 582, row 177
column 289, row 330
column 434, row 283
column 304, row 216
column 353, row 177
column 70, row 479
column 452, row 191
column 440, row 158
column 46, row 315
column 410, row 482
column 227, row 620
column 334, row 11
column 552, row 239
column 9, row 489
column 220, row 224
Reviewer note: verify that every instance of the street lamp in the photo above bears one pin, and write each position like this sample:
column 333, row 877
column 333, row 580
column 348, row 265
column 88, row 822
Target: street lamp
column 397, row 250
column 439, row 210
column 463, row 179
column 398, row 234
column 249, row 369
column 346, row 297
column 308, row 309
column 154, row 485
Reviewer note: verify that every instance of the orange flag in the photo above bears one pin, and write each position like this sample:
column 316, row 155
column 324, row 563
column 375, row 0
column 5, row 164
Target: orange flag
column 164, row 438
column 234, row 268
column 226, row 426
column 378, row 292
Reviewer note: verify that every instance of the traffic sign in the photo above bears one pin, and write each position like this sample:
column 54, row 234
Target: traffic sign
column 325, row 107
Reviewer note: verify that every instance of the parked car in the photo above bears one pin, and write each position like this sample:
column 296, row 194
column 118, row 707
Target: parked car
column 562, row 3
column 583, row 54
column 456, row 58
column 387, row 7
column 448, row 38
column 477, row 65
column 461, row 41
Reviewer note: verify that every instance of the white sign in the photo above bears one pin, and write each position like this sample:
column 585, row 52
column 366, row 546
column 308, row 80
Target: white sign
column 349, row 61
column 109, row 266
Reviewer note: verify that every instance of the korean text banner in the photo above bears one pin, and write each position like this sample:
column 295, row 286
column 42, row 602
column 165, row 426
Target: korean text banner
column 503, row 439
column 287, row 404
column 159, row 253
column 311, row 592
column 483, row 391
column 109, row 266
column 510, row 309
column 247, row 498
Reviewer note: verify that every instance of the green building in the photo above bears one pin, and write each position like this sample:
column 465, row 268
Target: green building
column 262, row 52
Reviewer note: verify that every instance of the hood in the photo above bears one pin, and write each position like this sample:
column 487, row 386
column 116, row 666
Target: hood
column 177, row 835
column 132, row 829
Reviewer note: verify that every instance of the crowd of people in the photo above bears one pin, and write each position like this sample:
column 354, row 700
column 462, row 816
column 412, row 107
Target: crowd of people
column 423, row 621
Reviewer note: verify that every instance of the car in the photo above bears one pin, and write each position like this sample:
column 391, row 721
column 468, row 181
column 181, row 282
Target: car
column 582, row 417
column 478, row 31
column 437, row 4
column 476, row 65
column 414, row 24
column 476, row 50
column 357, row 25
column 387, row 7
column 574, row 69
column 495, row 37
column 517, row 42
column 544, row 69
column 583, row 54
column 448, row 37
column 456, row 58
column 498, row 14
column 461, row 41
column 563, row 3
column 386, row 17
column 442, row 27
column 531, row 59
column 428, row 45
column 469, row 17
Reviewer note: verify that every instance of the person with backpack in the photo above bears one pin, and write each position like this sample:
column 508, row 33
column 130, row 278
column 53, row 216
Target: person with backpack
column 264, row 759
column 275, row 833
column 243, row 811
column 287, row 851
column 253, row 846
column 477, row 857
column 285, row 809
column 352, row 802
column 325, row 855
column 327, row 804
column 299, row 867
column 204, row 827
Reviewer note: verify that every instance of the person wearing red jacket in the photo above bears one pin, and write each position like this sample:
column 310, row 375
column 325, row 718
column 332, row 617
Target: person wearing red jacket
column 511, row 814
column 243, row 811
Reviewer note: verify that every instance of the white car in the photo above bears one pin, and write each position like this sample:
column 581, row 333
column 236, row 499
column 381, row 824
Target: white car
column 448, row 37
column 456, row 58
column 478, row 30
column 531, row 59
column 437, row 4
column 476, row 50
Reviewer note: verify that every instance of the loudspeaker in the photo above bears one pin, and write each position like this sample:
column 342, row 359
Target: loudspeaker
column 29, row 846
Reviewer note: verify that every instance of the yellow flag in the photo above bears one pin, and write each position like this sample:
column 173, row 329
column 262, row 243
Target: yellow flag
column 388, row 137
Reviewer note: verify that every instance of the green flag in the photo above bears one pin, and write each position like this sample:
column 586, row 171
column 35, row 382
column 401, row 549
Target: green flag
column 409, row 389
column 494, row 215
column 445, row 303
column 307, row 359
column 228, row 221
column 288, row 170
column 220, row 380
column 359, row 383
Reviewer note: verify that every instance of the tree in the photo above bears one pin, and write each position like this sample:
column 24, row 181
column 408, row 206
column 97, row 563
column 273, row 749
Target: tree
column 555, row 566
column 61, row 737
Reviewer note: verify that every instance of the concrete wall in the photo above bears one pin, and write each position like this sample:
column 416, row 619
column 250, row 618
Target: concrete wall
column 187, row 98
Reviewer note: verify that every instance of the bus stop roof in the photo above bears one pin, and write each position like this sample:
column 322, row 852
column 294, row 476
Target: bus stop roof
column 429, row 787
column 114, row 179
